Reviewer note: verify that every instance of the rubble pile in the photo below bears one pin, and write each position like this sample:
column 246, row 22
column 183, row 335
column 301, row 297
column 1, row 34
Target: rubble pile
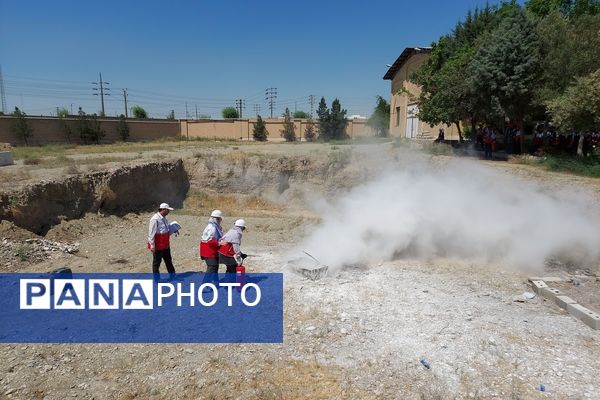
column 34, row 250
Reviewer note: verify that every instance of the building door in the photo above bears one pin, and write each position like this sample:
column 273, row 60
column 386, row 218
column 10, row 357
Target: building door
column 412, row 121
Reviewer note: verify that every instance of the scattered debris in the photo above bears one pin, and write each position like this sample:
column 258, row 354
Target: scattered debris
column 425, row 363
column 34, row 250
column 309, row 268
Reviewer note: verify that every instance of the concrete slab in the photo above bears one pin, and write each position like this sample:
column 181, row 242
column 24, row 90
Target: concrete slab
column 6, row 158
column 547, row 279
column 538, row 286
column 554, row 279
column 563, row 301
column 550, row 293
column 587, row 316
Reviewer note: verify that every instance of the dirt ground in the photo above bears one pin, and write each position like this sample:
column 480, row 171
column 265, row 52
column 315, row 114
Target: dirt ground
column 358, row 333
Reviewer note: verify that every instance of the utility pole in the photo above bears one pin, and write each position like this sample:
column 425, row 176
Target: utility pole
column 125, row 99
column 2, row 94
column 240, row 105
column 311, row 100
column 101, row 84
column 196, row 111
column 270, row 96
column 186, row 111
column 256, row 109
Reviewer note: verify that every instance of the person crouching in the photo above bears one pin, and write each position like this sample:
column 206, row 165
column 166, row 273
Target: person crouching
column 230, row 252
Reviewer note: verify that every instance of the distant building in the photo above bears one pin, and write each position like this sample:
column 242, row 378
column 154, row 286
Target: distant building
column 404, row 106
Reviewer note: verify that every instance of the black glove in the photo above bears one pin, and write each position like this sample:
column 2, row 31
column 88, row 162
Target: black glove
column 244, row 256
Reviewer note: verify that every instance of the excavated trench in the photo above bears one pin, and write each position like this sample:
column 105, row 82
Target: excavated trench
column 139, row 188
column 40, row 206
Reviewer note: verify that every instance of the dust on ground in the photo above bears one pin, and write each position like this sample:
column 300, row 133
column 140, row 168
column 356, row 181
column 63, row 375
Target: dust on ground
column 359, row 333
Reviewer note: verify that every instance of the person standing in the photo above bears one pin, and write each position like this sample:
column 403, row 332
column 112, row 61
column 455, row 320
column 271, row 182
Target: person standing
column 440, row 138
column 487, row 144
column 158, row 240
column 209, row 243
column 230, row 252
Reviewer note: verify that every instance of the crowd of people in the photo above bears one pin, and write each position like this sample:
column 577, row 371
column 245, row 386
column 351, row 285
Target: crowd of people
column 543, row 140
column 550, row 140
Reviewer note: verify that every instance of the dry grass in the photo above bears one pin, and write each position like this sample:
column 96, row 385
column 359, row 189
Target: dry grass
column 14, row 176
column 201, row 202
column 70, row 162
column 168, row 144
column 236, row 156
column 72, row 170
column 32, row 161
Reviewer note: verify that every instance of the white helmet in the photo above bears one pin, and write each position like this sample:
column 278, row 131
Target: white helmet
column 216, row 214
column 240, row 223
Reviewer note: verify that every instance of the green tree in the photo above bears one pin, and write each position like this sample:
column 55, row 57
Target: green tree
column 332, row 122
column 171, row 115
column 324, row 120
column 570, row 8
column 446, row 97
column 506, row 67
column 230, row 113
column 578, row 109
column 338, row 121
column 83, row 126
column 96, row 132
column 570, row 48
column 62, row 112
column 20, row 126
column 123, row 128
column 64, row 125
column 380, row 119
column 289, row 130
column 310, row 133
column 139, row 112
column 259, row 133
column 89, row 127
column 300, row 114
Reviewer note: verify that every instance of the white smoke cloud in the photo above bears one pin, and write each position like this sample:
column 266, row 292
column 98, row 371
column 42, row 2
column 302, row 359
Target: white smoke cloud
column 460, row 210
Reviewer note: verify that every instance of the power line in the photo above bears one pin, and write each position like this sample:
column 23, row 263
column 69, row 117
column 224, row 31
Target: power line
column 199, row 99
column 2, row 94
column 270, row 96
column 125, row 100
column 240, row 105
column 311, row 99
column 45, row 80
column 101, row 83
column 256, row 109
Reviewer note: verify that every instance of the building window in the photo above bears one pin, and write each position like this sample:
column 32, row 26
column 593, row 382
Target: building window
column 397, row 116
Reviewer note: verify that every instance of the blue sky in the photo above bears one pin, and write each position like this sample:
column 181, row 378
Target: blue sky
column 209, row 53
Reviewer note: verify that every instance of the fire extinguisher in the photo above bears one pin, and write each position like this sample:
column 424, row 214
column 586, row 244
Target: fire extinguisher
column 240, row 276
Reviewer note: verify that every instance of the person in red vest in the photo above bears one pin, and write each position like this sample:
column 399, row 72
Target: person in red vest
column 230, row 252
column 487, row 144
column 209, row 244
column 158, row 239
